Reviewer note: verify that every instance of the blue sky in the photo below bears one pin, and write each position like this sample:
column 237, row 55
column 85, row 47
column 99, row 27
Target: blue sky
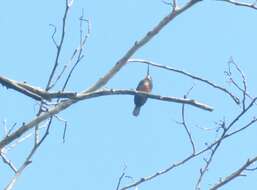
column 102, row 135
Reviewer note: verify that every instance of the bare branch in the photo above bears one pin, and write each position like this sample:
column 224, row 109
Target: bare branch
column 242, row 128
column 229, row 74
column 34, row 92
column 139, row 44
column 28, row 159
column 185, row 124
column 209, row 160
column 242, row 4
column 106, row 92
column 80, row 49
column 215, row 144
column 251, row 169
column 53, row 35
column 13, row 85
column 236, row 99
column 42, row 117
column 121, row 177
column 8, row 162
column 244, row 89
column 166, row 2
column 60, row 75
column 65, row 127
column 119, row 181
column 182, row 162
column 241, row 113
column 235, row 174
column 174, row 5
column 11, row 129
column 145, row 179
column 64, row 104
column 78, row 52
column 38, row 93
column 59, row 47
column 20, row 140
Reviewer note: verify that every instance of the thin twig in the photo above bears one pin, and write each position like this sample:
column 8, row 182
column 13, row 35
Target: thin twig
column 159, row 173
column 8, row 162
column 53, row 35
column 80, row 48
column 65, row 127
column 119, row 181
column 122, row 176
column 241, row 114
column 21, row 139
column 251, row 169
column 56, row 63
column 209, row 160
column 229, row 74
column 28, row 159
column 242, row 4
column 254, row 120
column 59, row 48
column 167, row 3
column 185, row 124
column 77, row 53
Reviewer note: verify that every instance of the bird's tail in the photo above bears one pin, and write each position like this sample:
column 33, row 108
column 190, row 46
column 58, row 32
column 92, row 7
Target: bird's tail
column 136, row 110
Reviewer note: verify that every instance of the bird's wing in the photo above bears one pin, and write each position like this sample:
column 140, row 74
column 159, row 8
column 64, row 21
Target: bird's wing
column 141, row 85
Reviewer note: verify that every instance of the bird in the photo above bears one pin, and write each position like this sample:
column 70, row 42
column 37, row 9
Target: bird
column 145, row 85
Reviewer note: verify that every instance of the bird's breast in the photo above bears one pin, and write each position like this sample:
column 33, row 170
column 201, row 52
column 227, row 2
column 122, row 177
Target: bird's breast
column 146, row 87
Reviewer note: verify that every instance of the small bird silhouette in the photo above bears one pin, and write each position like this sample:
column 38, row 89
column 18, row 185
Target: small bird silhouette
column 145, row 85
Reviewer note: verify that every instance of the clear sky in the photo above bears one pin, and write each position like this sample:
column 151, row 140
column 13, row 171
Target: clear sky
column 102, row 134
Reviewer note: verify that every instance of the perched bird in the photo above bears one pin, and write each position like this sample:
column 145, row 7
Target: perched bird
column 144, row 85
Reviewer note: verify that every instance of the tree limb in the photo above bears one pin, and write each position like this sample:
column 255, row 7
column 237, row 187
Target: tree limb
column 105, row 92
column 83, row 96
column 15, row 86
column 235, row 174
column 139, row 44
